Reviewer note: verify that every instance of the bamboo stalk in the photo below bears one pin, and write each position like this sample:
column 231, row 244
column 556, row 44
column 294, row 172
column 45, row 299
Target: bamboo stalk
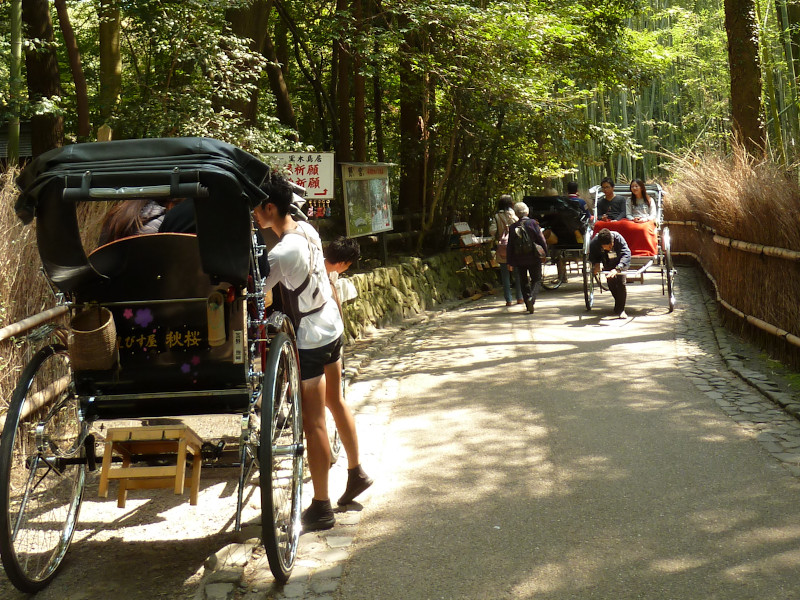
column 41, row 399
column 31, row 322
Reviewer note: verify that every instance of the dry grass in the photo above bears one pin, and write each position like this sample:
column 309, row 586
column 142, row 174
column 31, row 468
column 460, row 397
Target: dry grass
column 24, row 290
column 740, row 197
column 753, row 201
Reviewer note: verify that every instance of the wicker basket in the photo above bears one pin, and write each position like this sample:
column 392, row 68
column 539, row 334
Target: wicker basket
column 93, row 340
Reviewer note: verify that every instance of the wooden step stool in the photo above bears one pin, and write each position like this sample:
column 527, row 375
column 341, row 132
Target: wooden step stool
column 132, row 441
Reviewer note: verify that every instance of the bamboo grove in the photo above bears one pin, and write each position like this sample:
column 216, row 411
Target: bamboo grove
column 469, row 98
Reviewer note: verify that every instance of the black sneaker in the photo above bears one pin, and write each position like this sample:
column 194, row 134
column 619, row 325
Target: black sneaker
column 318, row 516
column 529, row 306
column 357, row 482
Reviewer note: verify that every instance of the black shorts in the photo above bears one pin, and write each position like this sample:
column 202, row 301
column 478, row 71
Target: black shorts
column 312, row 362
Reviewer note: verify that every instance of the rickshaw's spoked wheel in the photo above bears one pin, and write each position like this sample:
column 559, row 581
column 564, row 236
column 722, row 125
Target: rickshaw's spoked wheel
column 668, row 267
column 554, row 272
column 42, row 471
column 281, row 456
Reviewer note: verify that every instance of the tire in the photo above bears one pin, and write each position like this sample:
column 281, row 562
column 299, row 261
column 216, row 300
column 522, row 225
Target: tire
column 669, row 267
column 588, row 282
column 281, row 457
column 42, row 476
column 554, row 271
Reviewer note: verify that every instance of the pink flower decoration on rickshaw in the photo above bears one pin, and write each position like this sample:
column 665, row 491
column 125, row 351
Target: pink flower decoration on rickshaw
column 144, row 317
column 128, row 313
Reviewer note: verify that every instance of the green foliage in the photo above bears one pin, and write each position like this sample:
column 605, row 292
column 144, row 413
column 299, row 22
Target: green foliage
column 185, row 69
column 516, row 94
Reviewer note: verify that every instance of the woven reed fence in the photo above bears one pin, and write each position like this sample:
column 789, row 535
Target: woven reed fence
column 758, row 286
column 738, row 219
column 23, row 288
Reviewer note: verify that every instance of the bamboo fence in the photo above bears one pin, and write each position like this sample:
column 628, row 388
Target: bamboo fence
column 757, row 284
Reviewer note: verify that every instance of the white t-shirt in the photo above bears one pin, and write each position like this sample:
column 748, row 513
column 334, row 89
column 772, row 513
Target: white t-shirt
column 289, row 264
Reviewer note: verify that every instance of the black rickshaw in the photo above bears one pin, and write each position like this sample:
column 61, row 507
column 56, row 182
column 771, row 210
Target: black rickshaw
column 177, row 325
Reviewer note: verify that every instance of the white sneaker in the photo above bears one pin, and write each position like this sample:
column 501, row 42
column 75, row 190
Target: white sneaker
column 623, row 315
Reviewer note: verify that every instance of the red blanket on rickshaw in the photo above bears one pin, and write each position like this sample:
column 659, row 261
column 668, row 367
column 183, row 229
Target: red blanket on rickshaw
column 641, row 237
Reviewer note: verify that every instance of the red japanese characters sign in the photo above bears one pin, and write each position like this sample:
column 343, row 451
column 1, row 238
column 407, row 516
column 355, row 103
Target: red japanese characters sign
column 311, row 170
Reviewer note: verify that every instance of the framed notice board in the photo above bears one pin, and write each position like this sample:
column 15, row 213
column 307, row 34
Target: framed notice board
column 368, row 205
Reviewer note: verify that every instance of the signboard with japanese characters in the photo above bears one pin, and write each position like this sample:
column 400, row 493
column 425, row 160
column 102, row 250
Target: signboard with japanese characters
column 311, row 170
column 368, row 206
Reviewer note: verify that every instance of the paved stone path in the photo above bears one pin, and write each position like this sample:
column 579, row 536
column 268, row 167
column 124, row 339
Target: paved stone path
column 749, row 397
column 718, row 364
column 727, row 371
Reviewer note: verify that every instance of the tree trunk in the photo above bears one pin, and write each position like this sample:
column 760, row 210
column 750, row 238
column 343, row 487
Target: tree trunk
column 377, row 109
column 412, row 130
column 283, row 101
column 742, row 29
column 377, row 92
column 310, row 72
column 81, row 93
column 110, row 58
column 281, row 43
column 359, row 92
column 249, row 22
column 277, row 81
column 15, row 87
column 47, row 130
column 343, row 105
column 340, row 85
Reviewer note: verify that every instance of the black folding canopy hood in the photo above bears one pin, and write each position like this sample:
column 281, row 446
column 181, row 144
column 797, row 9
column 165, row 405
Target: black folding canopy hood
column 223, row 180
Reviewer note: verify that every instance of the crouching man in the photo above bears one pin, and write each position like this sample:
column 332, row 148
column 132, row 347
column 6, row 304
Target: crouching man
column 610, row 250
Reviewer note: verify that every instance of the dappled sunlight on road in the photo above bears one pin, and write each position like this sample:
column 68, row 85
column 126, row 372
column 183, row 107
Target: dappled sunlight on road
column 565, row 455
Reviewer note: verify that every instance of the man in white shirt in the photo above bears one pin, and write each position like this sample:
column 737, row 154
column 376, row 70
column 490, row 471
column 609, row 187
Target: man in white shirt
column 298, row 264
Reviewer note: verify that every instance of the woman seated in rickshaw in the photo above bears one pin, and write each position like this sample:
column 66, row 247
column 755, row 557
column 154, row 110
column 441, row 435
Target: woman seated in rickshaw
column 638, row 226
column 640, row 207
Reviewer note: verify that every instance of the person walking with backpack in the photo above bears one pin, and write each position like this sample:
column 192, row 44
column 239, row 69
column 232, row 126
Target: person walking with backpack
column 503, row 219
column 527, row 249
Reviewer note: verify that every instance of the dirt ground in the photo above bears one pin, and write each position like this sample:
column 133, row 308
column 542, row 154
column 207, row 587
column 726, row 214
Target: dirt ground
column 156, row 546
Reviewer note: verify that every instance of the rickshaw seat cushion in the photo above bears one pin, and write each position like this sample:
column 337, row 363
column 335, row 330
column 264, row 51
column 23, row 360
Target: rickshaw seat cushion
column 642, row 238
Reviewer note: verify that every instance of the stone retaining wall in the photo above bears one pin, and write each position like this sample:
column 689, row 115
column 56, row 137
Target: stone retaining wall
column 390, row 294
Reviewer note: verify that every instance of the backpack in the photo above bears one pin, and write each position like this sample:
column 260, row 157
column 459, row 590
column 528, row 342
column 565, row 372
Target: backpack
column 502, row 243
column 521, row 241
column 291, row 298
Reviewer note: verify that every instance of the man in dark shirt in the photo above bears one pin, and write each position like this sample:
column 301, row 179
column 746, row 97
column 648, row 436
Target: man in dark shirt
column 609, row 249
column 572, row 190
column 611, row 207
